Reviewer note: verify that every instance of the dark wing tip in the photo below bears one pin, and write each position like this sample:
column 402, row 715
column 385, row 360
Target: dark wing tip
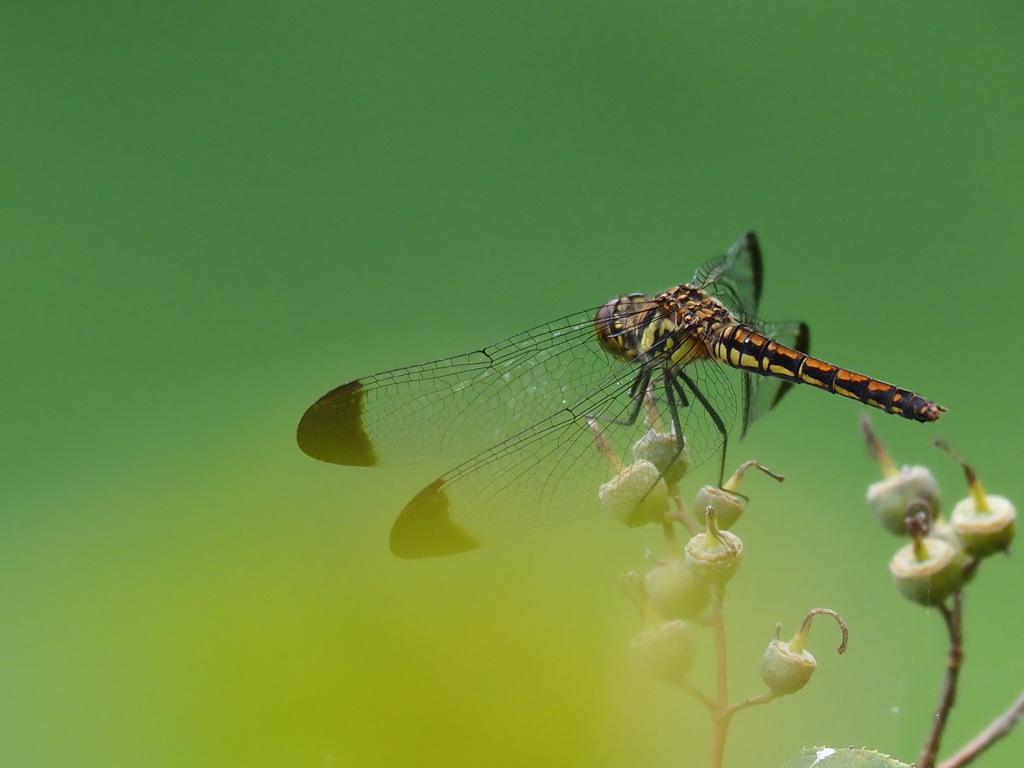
column 756, row 266
column 425, row 528
column 331, row 429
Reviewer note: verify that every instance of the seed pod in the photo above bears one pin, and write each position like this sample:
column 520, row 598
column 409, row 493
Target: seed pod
column 667, row 653
column 890, row 498
column 728, row 506
column 986, row 524
column 787, row 666
column 785, row 669
column 726, row 501
column 985, row 531
column 663, row 451
column 941, row 529
column 674, row 592
column 714, row 556
column 928, row 570
column 636, row 495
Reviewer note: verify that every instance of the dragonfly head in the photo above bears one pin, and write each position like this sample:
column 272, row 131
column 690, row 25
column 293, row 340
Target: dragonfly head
column 616, row 325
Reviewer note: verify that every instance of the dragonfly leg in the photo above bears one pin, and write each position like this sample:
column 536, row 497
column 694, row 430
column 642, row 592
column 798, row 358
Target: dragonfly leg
column 719, row 423
column 637, row 394
column 672, row 391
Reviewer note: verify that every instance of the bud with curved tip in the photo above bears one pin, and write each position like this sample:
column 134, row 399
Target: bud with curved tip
column 890, row 497
column 726, row 501
column 666, row 652
column 786, row 667
column 985, row 524
column 714, row 556
column 637, row 495
column 674, row 592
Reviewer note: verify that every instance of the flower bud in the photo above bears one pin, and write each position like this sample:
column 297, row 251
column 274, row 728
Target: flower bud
column 674, row 592
column 726, row 501
column 636, row 495
column 667, row 653
column 786, row 667
column 890, row 498
column 728, row 506
column 984, row 531
column 663, row 451
column 986, row 524
column 941, row 528
column 928, row 570
column 714, row 556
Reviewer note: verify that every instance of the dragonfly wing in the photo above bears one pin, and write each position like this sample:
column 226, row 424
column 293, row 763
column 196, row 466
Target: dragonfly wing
column 762, row 393
column 457, row 405
column 736, row 278
column 552, row 471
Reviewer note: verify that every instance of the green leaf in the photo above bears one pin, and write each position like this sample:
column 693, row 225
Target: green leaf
column 827, row 757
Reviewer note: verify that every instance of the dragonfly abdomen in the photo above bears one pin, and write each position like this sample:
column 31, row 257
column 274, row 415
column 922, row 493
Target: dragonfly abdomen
column 745, row 348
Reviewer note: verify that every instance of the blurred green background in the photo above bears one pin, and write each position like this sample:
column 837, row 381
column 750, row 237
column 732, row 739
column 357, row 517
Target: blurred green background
column 214, row 212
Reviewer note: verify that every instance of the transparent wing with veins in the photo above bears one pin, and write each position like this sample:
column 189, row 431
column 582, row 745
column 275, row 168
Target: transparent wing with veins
column 523, row 409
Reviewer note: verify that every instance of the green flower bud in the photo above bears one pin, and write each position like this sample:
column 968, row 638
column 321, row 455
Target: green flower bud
column 941, row 529
column 890, row 498
column 667, row 653
column 985, row 531
column 727, row 503
column 674, row 592
column 928, row 570
column 714, row 556
column 986, row 524
column 637, row 495
column 662, row 450
column 786, row 667
column 728, row 506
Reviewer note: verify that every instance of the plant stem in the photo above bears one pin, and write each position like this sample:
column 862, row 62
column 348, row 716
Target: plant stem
column 700, row 696
column 998, row 728
column 722, row 713
column 954, row 660
column 751, row 701
column 682, row 515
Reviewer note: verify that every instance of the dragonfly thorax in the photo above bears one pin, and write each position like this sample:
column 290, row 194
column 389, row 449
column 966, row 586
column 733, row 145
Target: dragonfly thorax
column 668, row 330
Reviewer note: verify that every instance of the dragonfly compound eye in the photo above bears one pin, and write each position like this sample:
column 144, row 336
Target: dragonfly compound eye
column 615, row 325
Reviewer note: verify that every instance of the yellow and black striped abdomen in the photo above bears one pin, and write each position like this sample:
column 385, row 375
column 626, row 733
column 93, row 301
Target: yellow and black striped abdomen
column 745, row 348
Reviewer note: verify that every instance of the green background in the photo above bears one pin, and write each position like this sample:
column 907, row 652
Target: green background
column 213, row 212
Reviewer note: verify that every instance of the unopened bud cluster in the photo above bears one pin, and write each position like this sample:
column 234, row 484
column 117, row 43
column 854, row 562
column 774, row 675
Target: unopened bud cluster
column 677, row 591
column 941, row 553
column 675, row 594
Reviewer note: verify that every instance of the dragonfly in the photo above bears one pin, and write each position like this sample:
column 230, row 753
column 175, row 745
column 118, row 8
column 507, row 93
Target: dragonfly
column 522, row 412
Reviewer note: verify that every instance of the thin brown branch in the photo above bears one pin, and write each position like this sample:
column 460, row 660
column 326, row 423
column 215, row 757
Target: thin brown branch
column 698, row 694
column 996, row 730
column 954, row 661
column 722, row 715
column 752, row 701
